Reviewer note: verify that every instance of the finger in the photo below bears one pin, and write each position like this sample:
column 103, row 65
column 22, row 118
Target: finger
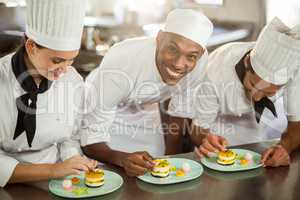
column 75, row 172
column 136, row 168
column 273, row 159
column 209, row 147
column 135, row 173
column 139, row 161
column 147, row 156
column 87, row 163
column 131, row 173
column 266, row 154
column 283, row 159
column 216, row 143
column 80, row 166
column 287, row 161
column 269, row 163
column 95, row 163
column 149, row 160
column 198, row 153
column 204, row 151
column 70, row 172
column 223, row 142
column 75, row 157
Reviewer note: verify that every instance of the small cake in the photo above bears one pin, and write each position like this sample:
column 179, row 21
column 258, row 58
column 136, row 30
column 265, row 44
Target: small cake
column 227, row 157
column 161, row 169
column 186, row 167
column 94, row 178
column 67, row 184
column 248, row 156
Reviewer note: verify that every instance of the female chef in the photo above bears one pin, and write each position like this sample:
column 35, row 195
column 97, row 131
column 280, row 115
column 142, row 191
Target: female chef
column 38, row 136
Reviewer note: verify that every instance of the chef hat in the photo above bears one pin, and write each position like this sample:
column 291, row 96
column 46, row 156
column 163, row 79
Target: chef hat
column 276, row 55
column 189, row 24
column 55, row 24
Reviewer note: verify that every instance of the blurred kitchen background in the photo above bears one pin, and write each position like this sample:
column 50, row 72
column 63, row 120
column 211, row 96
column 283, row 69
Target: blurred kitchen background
column 111, row 21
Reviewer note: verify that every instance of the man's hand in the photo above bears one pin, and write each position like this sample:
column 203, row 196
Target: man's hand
column 275, row 156
column 138, row 163
column 211, row 143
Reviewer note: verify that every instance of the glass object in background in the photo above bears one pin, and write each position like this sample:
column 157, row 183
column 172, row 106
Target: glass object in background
column 288, row 11
column 145, row 11
column 13, row 3
column 210, row 2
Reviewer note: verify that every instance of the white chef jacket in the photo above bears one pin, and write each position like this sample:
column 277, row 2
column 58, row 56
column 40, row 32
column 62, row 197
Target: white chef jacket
column 57, row 121
column 123, row 96
column 219, row 102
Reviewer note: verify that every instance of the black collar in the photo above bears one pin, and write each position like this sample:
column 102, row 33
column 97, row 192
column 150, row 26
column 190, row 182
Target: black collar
column 259, row 106
column 26, row 104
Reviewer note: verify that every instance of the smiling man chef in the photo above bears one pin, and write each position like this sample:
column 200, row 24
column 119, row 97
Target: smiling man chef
column 133, row 77
column 244, row 92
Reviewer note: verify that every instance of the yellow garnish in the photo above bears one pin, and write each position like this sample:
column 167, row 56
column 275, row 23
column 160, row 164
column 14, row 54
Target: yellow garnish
column 180, row 173
column 244, row 162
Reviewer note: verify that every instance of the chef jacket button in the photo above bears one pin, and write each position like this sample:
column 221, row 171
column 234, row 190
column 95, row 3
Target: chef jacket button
column 19, row 149
column 55, row 144
column 140, row 102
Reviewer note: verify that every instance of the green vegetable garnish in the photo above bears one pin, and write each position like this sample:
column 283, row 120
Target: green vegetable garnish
column 80, row 191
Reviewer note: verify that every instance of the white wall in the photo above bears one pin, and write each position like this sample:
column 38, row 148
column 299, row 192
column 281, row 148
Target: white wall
column 238, row 11
column 287, row 10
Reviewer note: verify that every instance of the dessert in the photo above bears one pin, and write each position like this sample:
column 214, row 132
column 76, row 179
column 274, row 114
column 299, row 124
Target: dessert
column 94, row 178
column 186, row 167
column 249, row 156
column 227, row 157
column 246, row 159
column 161, row 169
column 67, row 184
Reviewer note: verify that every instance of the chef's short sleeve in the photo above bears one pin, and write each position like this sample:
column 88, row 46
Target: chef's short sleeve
column 181, row 105
column 206, row 104
column 200, row 104
column 6, row 168
column 105, row 90
column 292, row 99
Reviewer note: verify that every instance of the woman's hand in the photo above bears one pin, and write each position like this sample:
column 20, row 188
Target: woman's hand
column 73, row 166
column 211, row 143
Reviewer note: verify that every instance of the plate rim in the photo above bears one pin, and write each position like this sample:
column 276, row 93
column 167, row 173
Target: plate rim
column 232, row 170
column 88, row 196
column 182, row 181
